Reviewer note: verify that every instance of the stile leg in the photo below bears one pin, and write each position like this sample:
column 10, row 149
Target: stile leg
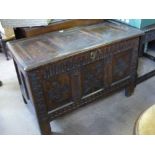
column 129, row 90
column 45, row 127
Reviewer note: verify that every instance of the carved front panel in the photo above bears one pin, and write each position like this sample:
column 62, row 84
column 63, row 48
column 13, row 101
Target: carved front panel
column 92, row 77
column 57, row 90
column 83, row 78
column 121, row 63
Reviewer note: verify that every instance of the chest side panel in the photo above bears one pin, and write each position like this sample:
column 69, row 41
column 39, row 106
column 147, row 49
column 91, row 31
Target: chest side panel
column 124, row 61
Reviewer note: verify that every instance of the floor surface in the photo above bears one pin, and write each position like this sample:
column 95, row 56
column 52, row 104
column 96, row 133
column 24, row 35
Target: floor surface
column 113, row 115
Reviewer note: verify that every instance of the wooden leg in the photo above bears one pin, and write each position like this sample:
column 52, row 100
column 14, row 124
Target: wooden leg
column 45, row 127
column 129, row 90
column 35, row 81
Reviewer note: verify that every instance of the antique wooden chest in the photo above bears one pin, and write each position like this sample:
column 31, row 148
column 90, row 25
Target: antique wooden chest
column 63, row 70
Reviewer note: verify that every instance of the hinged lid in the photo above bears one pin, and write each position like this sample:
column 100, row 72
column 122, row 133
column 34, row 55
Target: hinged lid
column 36, row 51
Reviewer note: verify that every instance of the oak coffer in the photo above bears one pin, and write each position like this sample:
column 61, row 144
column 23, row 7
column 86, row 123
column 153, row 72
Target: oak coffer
column 63, row 70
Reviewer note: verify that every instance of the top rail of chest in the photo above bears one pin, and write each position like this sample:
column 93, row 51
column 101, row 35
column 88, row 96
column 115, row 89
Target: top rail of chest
column 36, row 51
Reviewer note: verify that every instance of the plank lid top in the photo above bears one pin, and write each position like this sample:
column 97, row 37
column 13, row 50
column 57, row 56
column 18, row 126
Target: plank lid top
column 37, row 51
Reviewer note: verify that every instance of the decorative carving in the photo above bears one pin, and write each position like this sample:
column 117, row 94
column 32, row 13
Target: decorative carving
column 81, row 60
column 87, row 100
column 120, row 67
column 93, row 77
column 57, row 91
column 38, row 95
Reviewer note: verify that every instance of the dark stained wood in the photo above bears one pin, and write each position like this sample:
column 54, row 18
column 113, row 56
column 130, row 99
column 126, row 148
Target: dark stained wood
column 61, row 71
column 55, row 46
column 55, row 26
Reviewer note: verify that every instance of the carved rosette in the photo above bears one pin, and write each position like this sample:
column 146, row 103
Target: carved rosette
column 120, row 67
column 92, row 77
